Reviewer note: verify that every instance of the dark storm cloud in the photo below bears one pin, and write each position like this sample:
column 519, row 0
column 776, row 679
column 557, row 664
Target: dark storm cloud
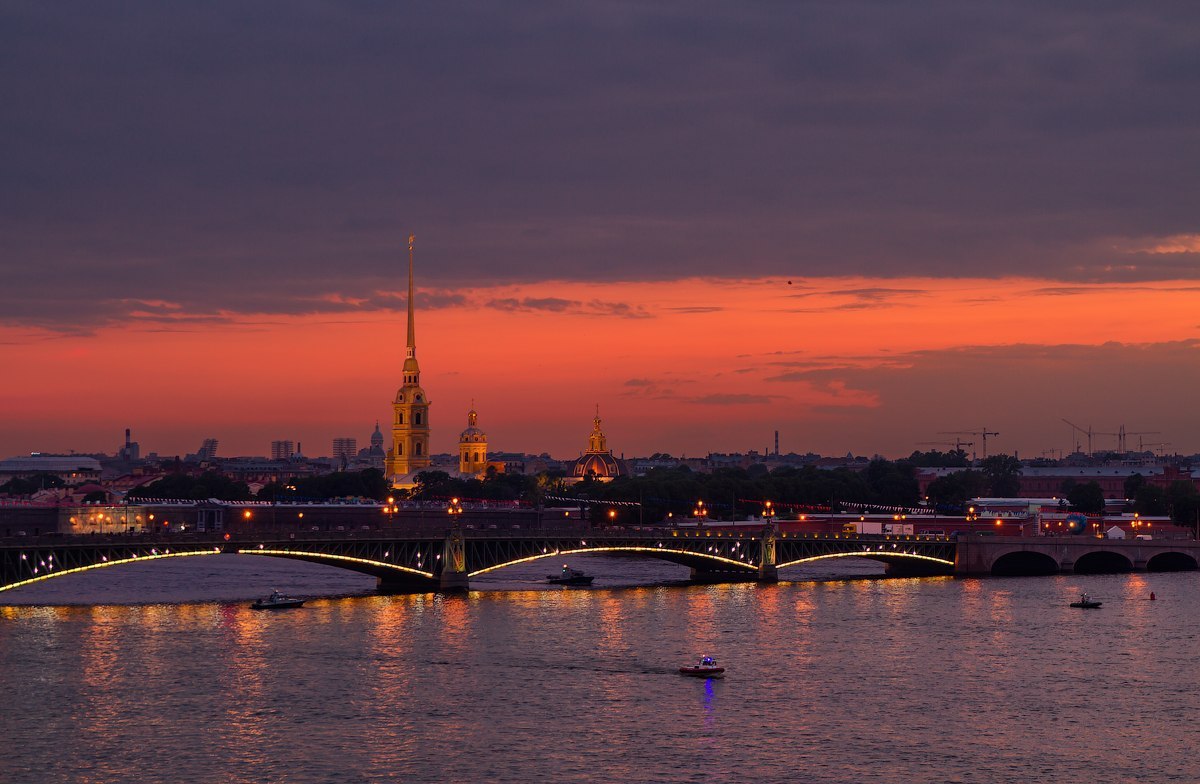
column 262, row 155
column 1142, row 361
column 735, row 399
column 558, row 305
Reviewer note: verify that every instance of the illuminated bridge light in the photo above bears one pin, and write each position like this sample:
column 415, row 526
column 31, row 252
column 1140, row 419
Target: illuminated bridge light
column 104, row 563
column 327, row 556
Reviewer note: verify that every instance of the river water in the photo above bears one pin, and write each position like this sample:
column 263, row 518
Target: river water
column 161, row 672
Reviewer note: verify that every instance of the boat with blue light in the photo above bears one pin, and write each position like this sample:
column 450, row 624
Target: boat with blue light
column 707, row 667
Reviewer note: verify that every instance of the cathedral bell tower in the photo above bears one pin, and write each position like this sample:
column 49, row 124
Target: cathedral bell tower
column 472, row 447
column 409, row 451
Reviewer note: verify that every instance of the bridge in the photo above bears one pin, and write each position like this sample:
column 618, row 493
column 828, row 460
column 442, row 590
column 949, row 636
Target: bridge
column 444, row 561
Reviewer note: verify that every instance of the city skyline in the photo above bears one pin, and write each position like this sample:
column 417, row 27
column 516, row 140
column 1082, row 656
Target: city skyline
column 862, row 227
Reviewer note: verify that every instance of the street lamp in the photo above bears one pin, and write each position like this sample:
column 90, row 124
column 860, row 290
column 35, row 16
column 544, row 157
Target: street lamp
column 454, row 511
column 612, row 516
column 768, row 511
column 699, row 512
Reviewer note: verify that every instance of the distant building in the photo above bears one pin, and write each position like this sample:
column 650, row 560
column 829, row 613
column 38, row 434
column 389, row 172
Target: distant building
column 131, row 452
column 208, row 450
column 472, row 447
column 409, row 452
column 598, row 461
column 283, row 450
column 373, row 456
column 345, row 450
column 72, row 469
column 1051, row 481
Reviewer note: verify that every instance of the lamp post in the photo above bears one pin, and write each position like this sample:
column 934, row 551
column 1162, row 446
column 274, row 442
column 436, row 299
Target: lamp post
column 612, row 516
column 768, row 512
column 699, row 513
column 455, row 510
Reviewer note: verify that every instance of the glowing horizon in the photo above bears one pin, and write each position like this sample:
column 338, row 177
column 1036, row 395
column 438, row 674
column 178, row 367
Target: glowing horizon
column 850, row 364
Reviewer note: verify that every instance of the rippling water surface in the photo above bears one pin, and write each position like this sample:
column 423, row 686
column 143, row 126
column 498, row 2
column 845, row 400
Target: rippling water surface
column 921, row 680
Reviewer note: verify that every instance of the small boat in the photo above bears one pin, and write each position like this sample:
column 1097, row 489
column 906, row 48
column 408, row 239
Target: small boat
column 569, row 576
column 1086, row 602
column 277, row 601
column 707, row 667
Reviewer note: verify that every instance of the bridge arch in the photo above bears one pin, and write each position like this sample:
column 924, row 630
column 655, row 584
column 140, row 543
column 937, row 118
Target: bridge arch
column 1172, row 562
column 898, row 562
column 1102, row 562
column 663, row 553
column 45, row 567
column 1024, row 563
column 375, row 568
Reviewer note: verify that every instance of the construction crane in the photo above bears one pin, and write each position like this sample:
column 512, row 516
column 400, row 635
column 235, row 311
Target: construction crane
column 1087, row 433
column 1118, row 435
column 1139, row 434
column 981, row 433
column 1159, row 444
column 957, row 443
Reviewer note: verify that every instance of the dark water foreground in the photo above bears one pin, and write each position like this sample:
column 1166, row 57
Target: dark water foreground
column 921, row 680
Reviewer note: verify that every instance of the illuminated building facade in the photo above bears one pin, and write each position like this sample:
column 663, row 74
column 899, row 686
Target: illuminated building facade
column 472, row 447
column 598, row 461
column 409, row 452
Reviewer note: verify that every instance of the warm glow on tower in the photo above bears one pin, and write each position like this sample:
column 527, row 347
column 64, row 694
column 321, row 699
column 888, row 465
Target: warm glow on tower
column 472, row 447
column 409, row 452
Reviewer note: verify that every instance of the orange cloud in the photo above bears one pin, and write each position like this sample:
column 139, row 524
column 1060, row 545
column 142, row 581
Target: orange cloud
column 682, row 366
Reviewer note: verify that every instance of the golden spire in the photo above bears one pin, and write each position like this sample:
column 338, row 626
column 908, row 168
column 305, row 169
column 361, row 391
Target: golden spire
column 412, row 330
column 597, row 441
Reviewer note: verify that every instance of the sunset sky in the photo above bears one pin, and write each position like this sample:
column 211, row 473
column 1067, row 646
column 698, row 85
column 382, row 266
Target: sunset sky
column 859, row 224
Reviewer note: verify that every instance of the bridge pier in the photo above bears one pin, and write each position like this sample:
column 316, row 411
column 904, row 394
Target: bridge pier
column 454, row 564
column 453, row 581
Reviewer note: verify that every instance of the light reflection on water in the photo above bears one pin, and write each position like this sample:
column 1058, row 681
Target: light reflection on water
column 828, row 681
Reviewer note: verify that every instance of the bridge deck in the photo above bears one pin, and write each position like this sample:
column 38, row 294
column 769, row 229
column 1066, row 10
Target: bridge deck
column 424, row 560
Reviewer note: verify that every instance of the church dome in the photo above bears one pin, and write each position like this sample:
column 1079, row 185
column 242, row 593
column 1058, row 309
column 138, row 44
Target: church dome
column 601, row 465
column 598, row 461
column 472, row 434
